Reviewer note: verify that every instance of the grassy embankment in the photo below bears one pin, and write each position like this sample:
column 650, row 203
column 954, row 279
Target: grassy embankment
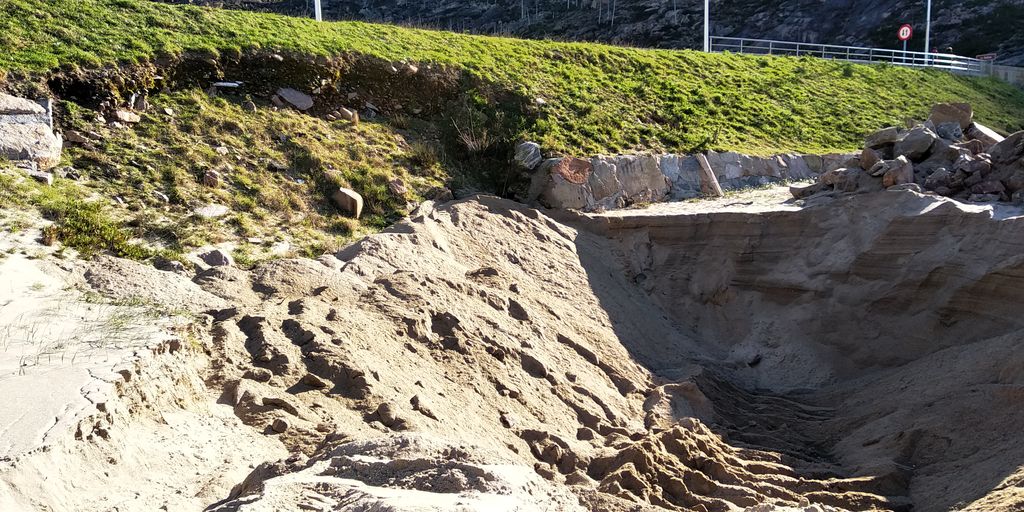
column 576, row 99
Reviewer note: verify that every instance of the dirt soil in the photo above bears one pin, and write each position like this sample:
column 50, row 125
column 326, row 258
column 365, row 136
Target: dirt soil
column 861, row 354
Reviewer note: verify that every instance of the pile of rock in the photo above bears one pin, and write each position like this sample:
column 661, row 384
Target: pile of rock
column 608, row 182
column 949, row 155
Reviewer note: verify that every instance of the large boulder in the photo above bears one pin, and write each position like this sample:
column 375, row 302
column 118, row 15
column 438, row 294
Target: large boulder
column 917, row 143
column 986, row 135
column 960, row 113
column 349, row 201
column 25, row 133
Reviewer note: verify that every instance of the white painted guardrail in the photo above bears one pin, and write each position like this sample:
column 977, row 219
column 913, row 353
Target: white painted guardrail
column 945, row 61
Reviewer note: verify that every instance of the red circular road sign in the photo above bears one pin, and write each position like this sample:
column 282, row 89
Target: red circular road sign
column 905, row 32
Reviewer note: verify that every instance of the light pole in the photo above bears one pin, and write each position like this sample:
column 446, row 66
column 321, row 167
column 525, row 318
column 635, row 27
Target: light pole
column 928, row 29
column 707, row 25
column 316, row 10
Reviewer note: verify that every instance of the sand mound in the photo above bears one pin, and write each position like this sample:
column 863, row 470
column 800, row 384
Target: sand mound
column 484, row 356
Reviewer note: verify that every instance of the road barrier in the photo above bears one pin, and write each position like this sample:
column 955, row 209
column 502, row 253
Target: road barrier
column 944, row 61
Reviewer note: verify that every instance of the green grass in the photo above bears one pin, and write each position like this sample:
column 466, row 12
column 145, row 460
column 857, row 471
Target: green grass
column 81, row 224
column 598, row 98
column 277, row 176
column 574, row 99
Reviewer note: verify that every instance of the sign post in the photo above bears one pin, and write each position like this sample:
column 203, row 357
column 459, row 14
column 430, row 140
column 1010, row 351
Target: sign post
column 316, row 10
column 707, row 25
column 905, row 33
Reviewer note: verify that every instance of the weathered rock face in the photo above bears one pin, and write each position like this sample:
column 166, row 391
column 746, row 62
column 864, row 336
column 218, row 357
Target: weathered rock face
column 606, row 182
column 26, row 132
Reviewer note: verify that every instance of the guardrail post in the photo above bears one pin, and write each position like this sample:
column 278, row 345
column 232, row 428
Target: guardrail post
column 770, row 44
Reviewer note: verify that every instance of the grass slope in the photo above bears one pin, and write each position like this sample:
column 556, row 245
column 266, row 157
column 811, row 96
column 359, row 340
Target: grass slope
column 596, row 98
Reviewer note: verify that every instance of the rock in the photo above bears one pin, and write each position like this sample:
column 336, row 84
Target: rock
column 217, row 258
column 14, row 106
column 890, row 135
column 33, row 142
column 139, row 103
column 420, row 406
column 1009, row 149
column 397, row 187
column 277, row 101
column 868, row 158
column 221, row 150
column 806, row 191
column 299, row 100
column 169, row 265
column 528, row 155
column 249, row 106
column 280, row 425
column 988, row 187
column 126, row 117
column 76, row 137
column 387, row 413
column 345, row 113
column 211, row 178
column 160, row 196
column 913, row 187
column 983, row 198
column 348, row 200
column 211, row 211
column 169, row 111
column 902, row 171
column 507, row 420
column 916, row 144
column 41, row 176
column 983, row 134
column 949, row 131
column 1018, row 197
column 939, row 178
column 959, row 113
column 971, row 146
column 879, row 168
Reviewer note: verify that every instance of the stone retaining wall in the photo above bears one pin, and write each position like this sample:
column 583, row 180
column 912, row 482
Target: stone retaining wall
column 607, row 182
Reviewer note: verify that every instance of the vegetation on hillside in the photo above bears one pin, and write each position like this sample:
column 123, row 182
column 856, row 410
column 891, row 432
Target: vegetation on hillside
column 596, row 98
column 141, row 184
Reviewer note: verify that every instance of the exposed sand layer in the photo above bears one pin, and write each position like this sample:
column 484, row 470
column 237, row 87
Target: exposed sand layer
column 860, row 354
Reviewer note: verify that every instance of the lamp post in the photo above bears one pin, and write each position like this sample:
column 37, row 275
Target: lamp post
column 316, row 10
column 707, row 25
column 928, row 28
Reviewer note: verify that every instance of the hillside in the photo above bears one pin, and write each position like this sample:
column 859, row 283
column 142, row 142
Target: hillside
column 595, row 98
column 970, row 28
column 439, row 110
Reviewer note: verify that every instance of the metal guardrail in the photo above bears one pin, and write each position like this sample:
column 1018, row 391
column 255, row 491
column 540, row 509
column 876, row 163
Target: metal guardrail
column 945, row 61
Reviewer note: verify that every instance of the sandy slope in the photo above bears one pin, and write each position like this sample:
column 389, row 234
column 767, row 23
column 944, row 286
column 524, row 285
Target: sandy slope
column 860, row 354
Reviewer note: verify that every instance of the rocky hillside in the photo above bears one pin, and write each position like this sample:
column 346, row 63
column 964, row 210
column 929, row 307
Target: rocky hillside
column 970, row 28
